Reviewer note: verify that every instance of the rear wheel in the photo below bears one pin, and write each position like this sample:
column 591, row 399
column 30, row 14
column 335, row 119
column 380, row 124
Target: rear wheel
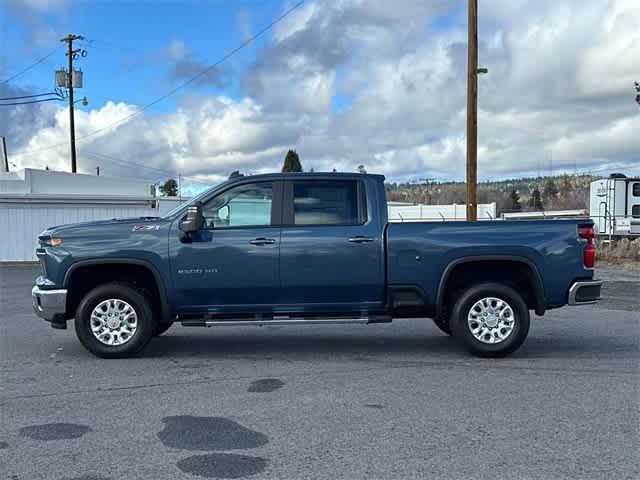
column 442, row 322
column 490, row 320
column 114, row 321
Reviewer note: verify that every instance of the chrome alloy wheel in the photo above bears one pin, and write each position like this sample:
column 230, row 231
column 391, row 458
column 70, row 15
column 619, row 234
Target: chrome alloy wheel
column 491, row 320
column 114, row 322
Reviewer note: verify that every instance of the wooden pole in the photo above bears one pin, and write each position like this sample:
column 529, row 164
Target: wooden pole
column 3, row 149
column 72, row 127
column 472, row 112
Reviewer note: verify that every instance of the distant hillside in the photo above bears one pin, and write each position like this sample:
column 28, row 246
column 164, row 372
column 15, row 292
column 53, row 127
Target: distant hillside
column 565, row 192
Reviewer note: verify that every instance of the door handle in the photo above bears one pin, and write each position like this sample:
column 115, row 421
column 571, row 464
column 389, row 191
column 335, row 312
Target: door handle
column 360, row 239
column 262, row 241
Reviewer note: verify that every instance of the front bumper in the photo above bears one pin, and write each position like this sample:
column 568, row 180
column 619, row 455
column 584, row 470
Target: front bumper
column 584, row 292
column 50, row 305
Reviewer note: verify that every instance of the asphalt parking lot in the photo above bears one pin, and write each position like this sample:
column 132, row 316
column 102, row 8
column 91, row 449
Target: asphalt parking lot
column 396, row 400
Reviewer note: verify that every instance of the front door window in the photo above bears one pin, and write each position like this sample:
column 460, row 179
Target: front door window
column 241, row 206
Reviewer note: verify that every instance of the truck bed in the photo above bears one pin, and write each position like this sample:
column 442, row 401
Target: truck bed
column 418, row 253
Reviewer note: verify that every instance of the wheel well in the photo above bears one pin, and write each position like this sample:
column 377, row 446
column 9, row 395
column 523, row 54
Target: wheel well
column 85, row 278
column 516, row 274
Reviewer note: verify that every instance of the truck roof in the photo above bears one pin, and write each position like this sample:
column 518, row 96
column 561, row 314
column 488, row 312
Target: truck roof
column 305, row 175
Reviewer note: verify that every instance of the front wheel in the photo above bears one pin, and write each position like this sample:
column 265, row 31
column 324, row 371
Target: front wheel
column 160, row 328
column 114, row 321
column 490, row 320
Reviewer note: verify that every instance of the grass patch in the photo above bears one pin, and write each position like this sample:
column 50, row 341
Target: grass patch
column 622, row 252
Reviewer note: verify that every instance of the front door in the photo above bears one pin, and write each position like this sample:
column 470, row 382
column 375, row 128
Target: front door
column 331, row 251
column 231, row 264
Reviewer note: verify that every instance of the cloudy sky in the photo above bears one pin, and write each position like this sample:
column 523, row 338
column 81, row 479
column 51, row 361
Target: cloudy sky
column 344, row 82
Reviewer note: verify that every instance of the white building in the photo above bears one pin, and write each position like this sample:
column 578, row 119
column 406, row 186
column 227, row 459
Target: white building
column 32, row 200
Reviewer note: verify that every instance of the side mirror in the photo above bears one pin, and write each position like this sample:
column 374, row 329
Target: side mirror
column 194, row 219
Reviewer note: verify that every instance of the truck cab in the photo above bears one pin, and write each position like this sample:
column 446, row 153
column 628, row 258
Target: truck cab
column 283, row 244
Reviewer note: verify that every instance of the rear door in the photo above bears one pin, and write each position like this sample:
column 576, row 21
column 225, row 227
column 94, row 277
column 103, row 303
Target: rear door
column 331, row 249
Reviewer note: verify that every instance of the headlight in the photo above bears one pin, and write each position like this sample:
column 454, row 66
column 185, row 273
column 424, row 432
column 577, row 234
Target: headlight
column 50, row 241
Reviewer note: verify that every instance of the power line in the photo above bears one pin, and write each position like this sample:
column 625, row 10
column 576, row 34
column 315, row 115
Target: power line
column 30, row 96
column 130, row 163
column 179, row 87
column 154, row 178
column 32, row 101
column 25, row 70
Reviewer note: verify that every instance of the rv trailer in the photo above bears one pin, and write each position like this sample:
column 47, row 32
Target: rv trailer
column 614, row 205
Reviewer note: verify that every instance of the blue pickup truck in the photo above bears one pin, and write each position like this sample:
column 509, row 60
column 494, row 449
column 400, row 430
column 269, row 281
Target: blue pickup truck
column 308, row 248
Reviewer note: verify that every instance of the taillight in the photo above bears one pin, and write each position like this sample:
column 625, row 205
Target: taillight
column 589, row 254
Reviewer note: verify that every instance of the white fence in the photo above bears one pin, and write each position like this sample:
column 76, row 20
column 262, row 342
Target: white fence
column 454, row 212
column 543, row 214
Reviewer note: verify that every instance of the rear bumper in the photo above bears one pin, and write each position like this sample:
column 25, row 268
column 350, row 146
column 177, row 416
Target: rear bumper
column 50, row 305
column 584, row 292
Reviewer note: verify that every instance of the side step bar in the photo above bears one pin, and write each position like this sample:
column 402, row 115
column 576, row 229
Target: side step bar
column 287, row 321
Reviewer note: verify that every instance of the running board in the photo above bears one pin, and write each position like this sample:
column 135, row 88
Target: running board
column 287, row 321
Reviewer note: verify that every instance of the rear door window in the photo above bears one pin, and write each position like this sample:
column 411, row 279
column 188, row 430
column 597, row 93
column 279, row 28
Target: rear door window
column 326, row 203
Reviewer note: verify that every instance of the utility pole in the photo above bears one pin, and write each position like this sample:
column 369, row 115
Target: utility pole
column 472, row 112
column 4, row 154
column 71, row 53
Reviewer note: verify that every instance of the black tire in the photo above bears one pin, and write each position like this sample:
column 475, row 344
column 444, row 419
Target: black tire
column 160, row 328
column 462, row 330
column 140, row 304
column 442, row 322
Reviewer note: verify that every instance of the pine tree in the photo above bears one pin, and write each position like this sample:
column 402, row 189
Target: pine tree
column 550, row 192
column 515, row 201
column 566, row 188
column 535, row 201
column 291, row 162
column 169, row 188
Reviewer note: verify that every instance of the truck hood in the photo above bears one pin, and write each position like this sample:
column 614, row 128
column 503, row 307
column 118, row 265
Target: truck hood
column 97, row 223
column 114, row 222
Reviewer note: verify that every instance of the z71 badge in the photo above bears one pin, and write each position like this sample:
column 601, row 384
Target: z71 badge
column 145, row 228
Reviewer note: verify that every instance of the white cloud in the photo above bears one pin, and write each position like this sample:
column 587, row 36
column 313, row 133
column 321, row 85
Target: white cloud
column 176, row 50
column 559, row 85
